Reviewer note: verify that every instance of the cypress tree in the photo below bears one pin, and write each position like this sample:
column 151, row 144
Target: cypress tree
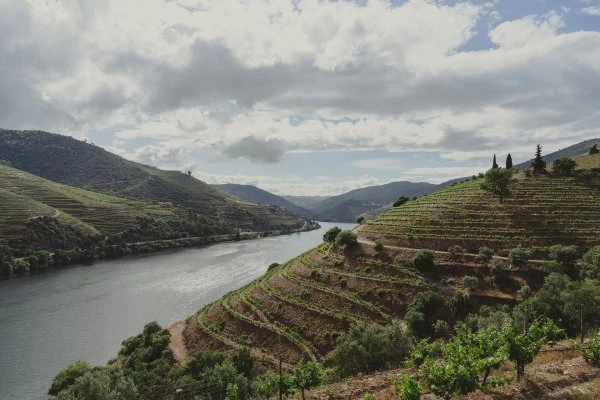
column 494, row 163
column 594, row 150
column 538, row 164
column 509, row 164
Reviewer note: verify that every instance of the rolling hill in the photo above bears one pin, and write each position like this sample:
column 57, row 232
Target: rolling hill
column 296, row 310
column 257, row 195
column 347, row 206
column 36, row 213
column 576, row 150
column 66, row 160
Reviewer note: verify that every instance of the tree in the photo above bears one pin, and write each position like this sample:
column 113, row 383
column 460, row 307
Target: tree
column 519, row 256
column 456, row 253
column 591, row 263
column 68, row 376
column 378, row 246
column 424, row 260
column 524, row 346
column 331, row 234
column 107, row 383
column 591, row 353
column 497, row 181
column 566, row 256
column 509, row 163
column 401, row 200
column 494, row 163
column 347, row 238
column 360, row 219
column 232, row 392
column 538, row 164
column 594, row 150
column 307, row 375
column 266, row 385
column 564, row 166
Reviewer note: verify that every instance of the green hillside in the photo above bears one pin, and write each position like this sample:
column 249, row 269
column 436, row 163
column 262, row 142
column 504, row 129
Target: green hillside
column 541, row 211
column 76, row 163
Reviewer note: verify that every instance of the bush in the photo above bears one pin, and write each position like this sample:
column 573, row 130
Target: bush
column 67, row 376
column 566, row 256
column 348, row 239
column 422, row 312
column 591, row 263
column 331, row 234
column 564, row 166
column 471, row 282
column 378, row 246
column 519, row 256
column 368, row 348
column 552, row 267
column 457, row 253
column 360, row 219
column 591, row 353
column 485, row 254
column 424, row 260
column 408, row 388
column 402, row 200
column 497, row 270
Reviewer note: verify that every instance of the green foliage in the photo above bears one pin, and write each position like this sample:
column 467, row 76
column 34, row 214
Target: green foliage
column 519, row 256
column 424, row 260
column 564, row 166
column 485, row 254
column 401, row 200
column 266, row 385
column 422, row 313
column 307, row 375
column 594, row 150
column 408, row 388
column 591, row 353
column 68, row 376
column 566, row 256
column 509, row 162
column 347, row 239
column 591, row 263
column 471, row 282
column 456, row 253
column 538, row 164
column 378, row 246
column 107, row 383
column 232, row 392
column 331, row 234
column 494, row 163
column 369, row 348
column 360, row 219
column 448, row 379
column 497, row 181
column 524, row 346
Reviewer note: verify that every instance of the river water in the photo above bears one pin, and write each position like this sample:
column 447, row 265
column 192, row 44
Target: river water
column 49, row 320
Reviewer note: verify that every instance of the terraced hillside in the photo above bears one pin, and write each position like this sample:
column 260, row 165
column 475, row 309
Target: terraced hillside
column 27, row 196
column 297, row 310
column 541, row 211
column 84, row 217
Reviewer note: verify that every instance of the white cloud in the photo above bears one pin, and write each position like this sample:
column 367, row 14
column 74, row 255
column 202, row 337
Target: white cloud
column 595, row 10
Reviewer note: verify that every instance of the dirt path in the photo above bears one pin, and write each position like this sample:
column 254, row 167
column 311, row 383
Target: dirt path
column 177, row 344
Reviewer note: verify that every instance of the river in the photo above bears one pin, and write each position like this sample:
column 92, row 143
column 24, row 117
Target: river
column 52, row 319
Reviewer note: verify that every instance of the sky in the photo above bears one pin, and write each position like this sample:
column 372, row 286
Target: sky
column 306, row 97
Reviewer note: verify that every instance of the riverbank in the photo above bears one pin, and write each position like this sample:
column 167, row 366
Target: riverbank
column 40, row 261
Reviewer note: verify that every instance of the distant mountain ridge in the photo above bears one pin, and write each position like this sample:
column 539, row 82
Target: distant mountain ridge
column 575, row 150
column 257, row 195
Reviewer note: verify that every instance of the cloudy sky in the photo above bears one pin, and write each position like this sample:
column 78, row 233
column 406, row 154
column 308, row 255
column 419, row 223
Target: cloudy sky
column 305, row 97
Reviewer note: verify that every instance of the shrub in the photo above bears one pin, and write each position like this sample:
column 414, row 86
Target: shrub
column 378, row 246
column 402, row 200
column 552, row 267
column 591, row 263
column 519, row 256
column 485, row 254
column 408, row 388
column 424, row 260
column 368, row 348
column 566, row 256
column 457, row 253
column 591, row 353
column 423, row 310
column 331, row 234
column 360, row 219
column 524, row 292
column 564, row 166
column 347, row 239
column 471, row 282
column 68, row 376
column 441, row 328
